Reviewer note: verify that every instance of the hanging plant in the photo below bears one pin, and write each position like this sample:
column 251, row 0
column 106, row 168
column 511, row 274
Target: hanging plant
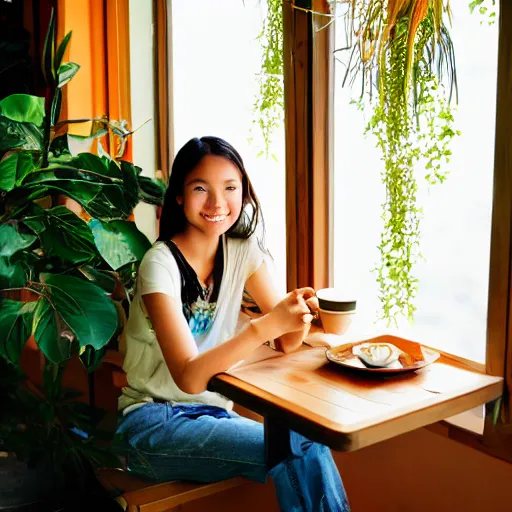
column 269, row 103
column 403, row 51
column 486, row 8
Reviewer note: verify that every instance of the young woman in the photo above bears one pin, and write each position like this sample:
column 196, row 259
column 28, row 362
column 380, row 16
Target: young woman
column 182, row 330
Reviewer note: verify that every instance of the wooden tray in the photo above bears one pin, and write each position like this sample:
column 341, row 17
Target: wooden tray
column 414, row 356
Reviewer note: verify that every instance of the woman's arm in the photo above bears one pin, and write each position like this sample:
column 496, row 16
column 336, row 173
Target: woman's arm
column 190, row 370
column 261, row 288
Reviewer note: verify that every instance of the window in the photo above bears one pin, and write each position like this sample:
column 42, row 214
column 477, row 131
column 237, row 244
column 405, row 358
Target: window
column 455, row 230
column 215, row 61
column 142, row 103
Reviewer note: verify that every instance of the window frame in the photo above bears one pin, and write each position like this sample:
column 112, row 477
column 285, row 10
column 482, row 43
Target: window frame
column 309, row 96
column 309, row 102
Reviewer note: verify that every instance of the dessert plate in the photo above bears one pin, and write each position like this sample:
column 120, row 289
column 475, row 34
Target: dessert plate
column 413, row 356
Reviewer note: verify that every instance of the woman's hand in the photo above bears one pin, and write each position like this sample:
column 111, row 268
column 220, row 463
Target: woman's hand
column 291, row 341
column 296, row 311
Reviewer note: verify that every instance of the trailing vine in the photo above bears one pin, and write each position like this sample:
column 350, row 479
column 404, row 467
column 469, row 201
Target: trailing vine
column 485, row 8
column 402, row 50
column 399, row 246
column 407, row 142
column 269, row 103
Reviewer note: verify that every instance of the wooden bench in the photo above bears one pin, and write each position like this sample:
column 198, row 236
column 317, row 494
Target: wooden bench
column 139, row 495
column 136, row 494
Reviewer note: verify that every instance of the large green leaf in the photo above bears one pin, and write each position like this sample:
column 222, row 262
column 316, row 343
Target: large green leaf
column 14, row 168
column 65, row 145
column 15, row 328
column 95, row 164
column 12, row 274
column 56, row 107
column 106, row 190
column 100, row 196
column 48, row 55
column 91, row 358
column 23, row 108
column 12, row 240
column 105, row 279
column 151, row 191
column 119, row 242
column 104, row 202
column 59, row 147
column 59, row 54
column 66, row 72
column 50, row 332
column 14, row 135
column 66, row 169
column 64, row 236
column 18, row 201
column 84, row 307
column 130, row 175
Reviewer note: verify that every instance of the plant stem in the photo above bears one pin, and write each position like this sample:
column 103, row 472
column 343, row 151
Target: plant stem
column 47, row 123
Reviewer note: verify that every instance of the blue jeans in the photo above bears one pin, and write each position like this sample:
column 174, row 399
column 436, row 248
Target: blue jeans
column 203, row 443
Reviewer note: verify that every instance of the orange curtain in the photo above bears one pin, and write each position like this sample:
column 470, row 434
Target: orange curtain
column 100, row 45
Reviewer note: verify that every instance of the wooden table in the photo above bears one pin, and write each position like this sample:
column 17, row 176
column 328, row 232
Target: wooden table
column 347, row 410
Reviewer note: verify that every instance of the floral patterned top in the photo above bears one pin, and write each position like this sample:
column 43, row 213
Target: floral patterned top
column 199, row 302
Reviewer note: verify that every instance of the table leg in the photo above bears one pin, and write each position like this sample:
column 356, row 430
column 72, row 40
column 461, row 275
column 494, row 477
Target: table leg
column 277, row 442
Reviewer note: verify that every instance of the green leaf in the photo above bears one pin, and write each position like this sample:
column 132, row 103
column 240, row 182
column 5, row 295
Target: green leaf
column 14, row 135
column 59, row 147
column 82, row 140
column 496, row 411
column 66, row 72
column 49, row 330
column 130, row 174
column 64, row 236
column 23, row 108
column 14, row 168
column 12, row 241
column 56, row 107
column 84, row 307
column 119, row 242
column 59, row 55
column 106, row 190
column 151, row 191
column 15, row 328
column 105, row 279
column 48, row 55
column 95, row 164
column 99, row 195
column 12, row 274
column 91, row 358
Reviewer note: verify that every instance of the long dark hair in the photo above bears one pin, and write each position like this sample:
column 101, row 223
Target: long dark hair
column 173, row 220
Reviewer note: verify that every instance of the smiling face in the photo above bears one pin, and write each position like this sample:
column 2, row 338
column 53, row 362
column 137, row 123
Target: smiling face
column 212, row 196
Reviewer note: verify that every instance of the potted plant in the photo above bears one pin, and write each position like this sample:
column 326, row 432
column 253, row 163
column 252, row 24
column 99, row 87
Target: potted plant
column 64, row 274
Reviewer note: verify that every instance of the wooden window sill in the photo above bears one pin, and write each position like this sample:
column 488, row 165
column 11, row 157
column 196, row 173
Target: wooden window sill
column 467, row 428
